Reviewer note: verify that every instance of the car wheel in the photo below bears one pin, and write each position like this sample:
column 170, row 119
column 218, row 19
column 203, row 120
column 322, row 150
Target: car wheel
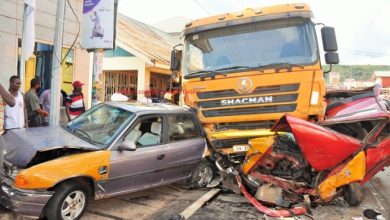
column 353, row 194
column 68, row 202
column 201, row 175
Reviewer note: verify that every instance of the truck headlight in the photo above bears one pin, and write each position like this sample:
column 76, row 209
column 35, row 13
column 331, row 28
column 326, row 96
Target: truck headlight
column 314, row 98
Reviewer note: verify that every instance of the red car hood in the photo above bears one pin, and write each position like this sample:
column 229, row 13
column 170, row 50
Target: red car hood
column 322, row 147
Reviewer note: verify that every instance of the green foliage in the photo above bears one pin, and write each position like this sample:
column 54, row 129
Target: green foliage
column 358, row 72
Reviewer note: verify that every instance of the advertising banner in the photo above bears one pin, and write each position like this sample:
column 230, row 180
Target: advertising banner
column 98, row 26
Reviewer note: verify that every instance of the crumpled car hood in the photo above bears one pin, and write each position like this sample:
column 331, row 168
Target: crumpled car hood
column 23, row 144
column 323, row 148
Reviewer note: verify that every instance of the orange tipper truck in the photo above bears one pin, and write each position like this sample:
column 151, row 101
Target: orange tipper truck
column 241, row 72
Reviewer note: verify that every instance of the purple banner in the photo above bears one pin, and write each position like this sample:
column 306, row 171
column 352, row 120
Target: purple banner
column 89, row 5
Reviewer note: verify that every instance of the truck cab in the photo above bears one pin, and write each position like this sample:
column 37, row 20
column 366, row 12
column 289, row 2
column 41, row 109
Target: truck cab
column 241, row 72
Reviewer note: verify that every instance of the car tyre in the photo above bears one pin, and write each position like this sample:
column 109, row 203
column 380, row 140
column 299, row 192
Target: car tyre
column 69, row 201
column 353, row 194
column 201, row 175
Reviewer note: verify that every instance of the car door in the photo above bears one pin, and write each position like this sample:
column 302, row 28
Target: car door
column 142, row 168
column 186, row 145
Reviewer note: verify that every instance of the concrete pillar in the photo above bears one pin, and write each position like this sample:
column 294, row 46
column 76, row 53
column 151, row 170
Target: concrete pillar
column 143, row 81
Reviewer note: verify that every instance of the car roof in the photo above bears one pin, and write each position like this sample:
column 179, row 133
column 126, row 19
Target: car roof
column 139, row 107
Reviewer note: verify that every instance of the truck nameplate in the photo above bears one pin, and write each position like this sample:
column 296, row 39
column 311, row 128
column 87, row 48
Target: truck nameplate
column 243, row 101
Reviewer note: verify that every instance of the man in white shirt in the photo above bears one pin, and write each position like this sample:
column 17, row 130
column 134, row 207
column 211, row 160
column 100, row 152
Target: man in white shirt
column 16, row 116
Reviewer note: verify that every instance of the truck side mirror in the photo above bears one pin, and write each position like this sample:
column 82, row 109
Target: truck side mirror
column 332, row 58
column 175, row 59
column 329, row 41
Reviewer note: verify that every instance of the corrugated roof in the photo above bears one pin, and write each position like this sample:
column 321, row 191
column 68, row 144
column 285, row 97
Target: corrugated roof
column 144, row 40
column 382, row 73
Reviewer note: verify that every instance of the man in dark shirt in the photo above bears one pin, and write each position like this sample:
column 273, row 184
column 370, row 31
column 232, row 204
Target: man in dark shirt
column 34, row 111
column 75, row 101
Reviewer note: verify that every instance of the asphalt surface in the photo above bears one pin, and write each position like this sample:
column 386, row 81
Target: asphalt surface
column 168, row 201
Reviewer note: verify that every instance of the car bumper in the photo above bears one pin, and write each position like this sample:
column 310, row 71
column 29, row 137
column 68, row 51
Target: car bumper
column 25, row 202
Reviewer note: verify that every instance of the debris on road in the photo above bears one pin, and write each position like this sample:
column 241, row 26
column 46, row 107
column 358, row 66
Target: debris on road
column 199, row 203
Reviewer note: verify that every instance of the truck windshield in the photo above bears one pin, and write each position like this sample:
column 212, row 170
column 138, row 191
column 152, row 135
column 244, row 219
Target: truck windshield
column 252, row 45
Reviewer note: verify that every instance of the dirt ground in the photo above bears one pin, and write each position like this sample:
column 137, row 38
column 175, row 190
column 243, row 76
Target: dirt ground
column 168, row 201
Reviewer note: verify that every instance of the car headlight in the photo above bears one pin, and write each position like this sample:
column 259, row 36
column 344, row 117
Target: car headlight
column 10, row 170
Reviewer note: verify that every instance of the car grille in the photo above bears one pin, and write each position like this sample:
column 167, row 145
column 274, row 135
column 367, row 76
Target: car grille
column 250, row 110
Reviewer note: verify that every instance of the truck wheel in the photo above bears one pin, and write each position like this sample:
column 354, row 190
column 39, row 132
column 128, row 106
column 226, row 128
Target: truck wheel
column 68, row 202
column 353, row 194
column 201, row 175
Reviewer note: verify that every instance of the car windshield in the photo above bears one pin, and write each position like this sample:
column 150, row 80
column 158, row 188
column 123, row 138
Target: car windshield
column 100, row 125
column 249, row 46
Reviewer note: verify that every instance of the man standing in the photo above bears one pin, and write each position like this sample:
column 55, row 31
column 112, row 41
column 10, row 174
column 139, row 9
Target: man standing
column 5, row 98
column 75, row 101
column 34, row 111
column 15, row 117
column 44, row 99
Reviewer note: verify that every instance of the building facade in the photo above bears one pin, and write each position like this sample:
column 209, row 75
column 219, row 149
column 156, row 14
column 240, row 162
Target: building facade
column 76, row 66
column 381, row 77
column 141, row 62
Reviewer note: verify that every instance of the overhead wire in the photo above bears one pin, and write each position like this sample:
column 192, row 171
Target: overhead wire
column 78, row 32
column 201, row 6
column 364, row 53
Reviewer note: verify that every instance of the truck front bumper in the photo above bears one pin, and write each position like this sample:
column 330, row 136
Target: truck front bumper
column 24, row 202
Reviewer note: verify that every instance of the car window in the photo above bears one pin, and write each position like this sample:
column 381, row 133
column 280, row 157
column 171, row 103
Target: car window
column 147, row 132
column 181, row 127
column 101, row 124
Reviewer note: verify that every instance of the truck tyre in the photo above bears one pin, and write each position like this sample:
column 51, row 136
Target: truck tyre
column 201, row 175
column 353, row 194
column 69, row 201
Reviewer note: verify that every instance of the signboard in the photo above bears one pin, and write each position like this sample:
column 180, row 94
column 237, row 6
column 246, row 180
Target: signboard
column 98, row 26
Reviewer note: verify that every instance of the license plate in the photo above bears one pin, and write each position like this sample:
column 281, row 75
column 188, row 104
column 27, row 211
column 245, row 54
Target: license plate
column 240, row 148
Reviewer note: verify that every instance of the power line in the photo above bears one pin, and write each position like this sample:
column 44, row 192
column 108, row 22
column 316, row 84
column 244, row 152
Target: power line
column 201, row 6
column 365, row 53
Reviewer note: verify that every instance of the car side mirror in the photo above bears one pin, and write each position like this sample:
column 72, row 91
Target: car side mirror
column 127, row 146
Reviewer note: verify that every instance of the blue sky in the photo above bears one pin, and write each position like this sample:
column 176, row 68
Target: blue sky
column 362, row 26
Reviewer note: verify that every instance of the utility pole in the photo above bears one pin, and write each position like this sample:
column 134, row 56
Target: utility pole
column 56, row 65
column 22, row 62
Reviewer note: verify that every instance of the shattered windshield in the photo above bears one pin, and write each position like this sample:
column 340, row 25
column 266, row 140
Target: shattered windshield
column 252, row 45
column 100, row 125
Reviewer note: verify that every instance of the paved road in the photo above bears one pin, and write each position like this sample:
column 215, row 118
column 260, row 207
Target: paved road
column 165, row 202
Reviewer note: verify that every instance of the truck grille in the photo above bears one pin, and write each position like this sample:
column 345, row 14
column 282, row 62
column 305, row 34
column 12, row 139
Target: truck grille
column 250, row 110
column 257, row 91
column 250, row 100
column 228, row 143
column 231, row 103
column 265, row 124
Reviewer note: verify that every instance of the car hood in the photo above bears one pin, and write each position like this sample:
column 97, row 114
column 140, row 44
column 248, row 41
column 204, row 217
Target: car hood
column 322, row 147
column 21, row 145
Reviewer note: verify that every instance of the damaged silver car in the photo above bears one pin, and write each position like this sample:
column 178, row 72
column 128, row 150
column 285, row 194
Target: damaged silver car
column 112, row 149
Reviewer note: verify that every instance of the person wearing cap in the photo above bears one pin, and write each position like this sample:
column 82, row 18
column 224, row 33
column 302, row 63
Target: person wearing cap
column 75, row 101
